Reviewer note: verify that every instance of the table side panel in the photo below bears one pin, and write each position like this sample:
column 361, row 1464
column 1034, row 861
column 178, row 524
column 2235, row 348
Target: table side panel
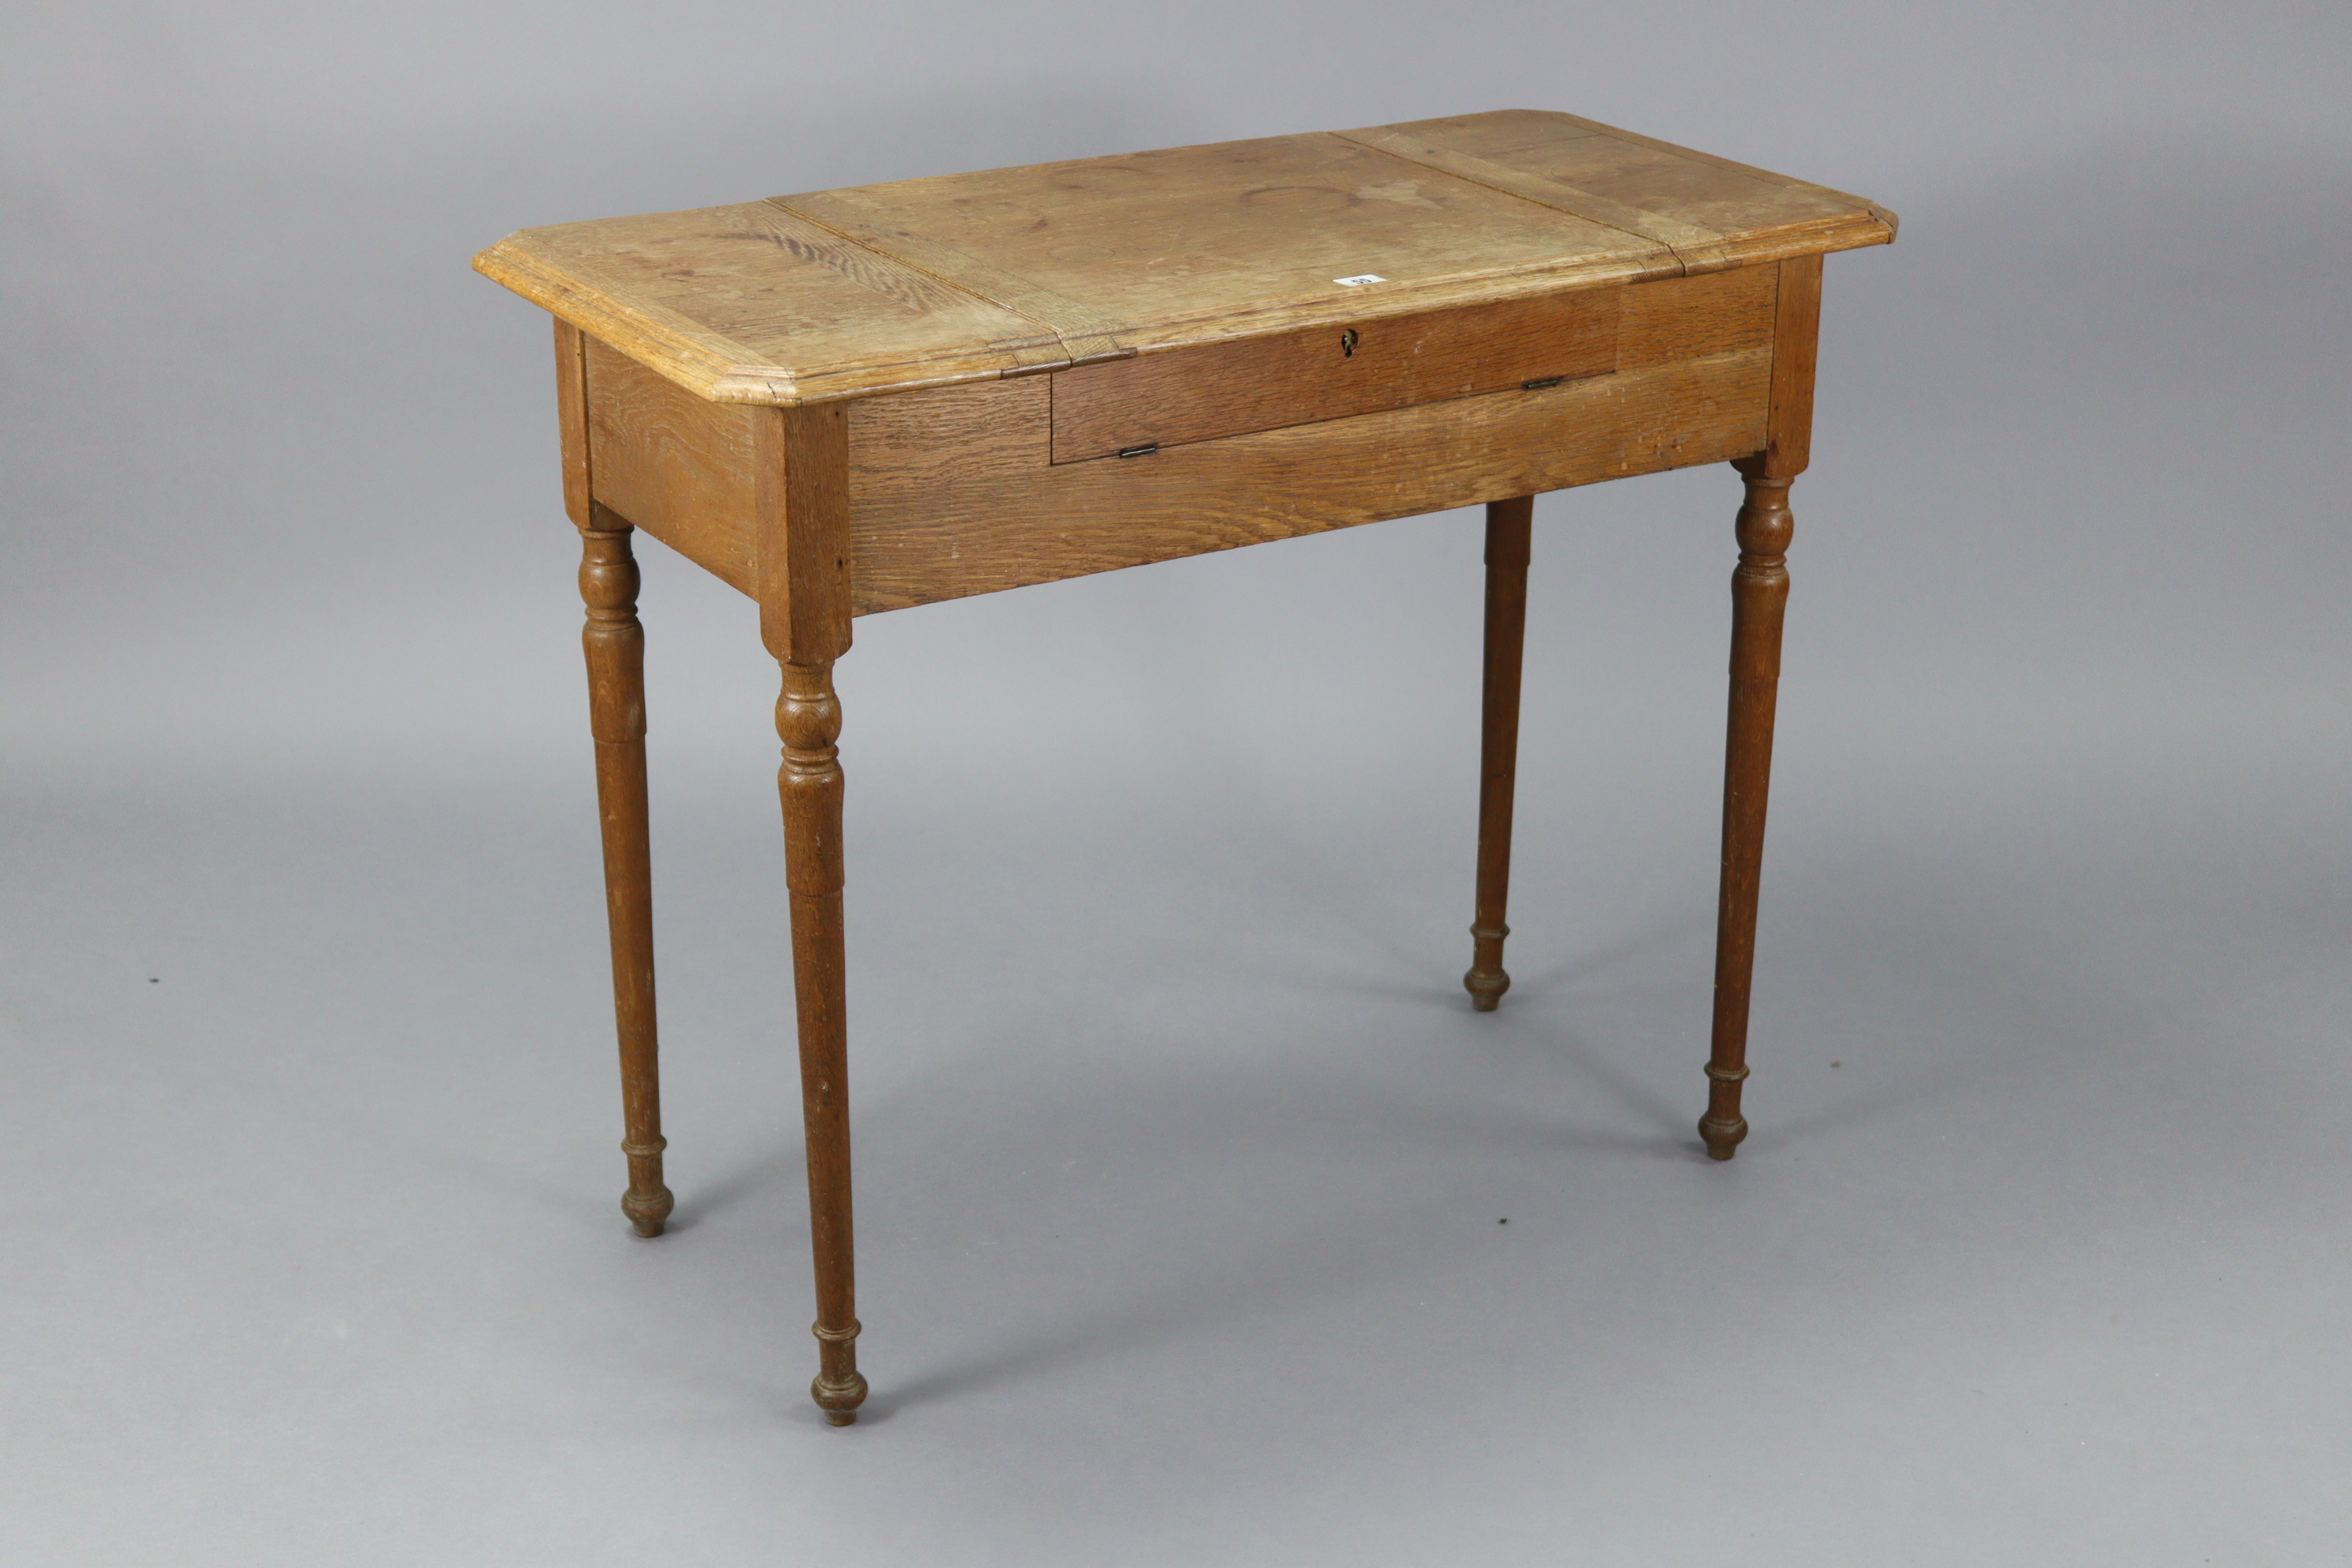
column 675, row 466
column 915, row 544
column 1693, row 318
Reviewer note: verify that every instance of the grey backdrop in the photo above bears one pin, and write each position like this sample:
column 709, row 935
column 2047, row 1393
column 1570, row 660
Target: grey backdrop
column 1181, row 1158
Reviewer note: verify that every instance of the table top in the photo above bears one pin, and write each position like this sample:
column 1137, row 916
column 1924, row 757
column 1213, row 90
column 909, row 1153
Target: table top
column 928, row 282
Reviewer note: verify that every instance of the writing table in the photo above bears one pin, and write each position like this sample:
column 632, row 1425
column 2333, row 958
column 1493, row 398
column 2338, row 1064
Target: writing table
column 862, row 400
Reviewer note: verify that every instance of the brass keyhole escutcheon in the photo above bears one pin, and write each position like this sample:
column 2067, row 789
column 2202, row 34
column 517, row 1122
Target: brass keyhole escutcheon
column 1347, row 344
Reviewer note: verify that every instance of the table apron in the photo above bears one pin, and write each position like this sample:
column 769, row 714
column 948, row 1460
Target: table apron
column 954, row 490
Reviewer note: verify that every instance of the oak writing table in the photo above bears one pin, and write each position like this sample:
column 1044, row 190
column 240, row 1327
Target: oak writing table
column 862, row 400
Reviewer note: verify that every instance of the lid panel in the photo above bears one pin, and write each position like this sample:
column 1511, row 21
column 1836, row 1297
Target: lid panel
column 1580, row 155
column 755, row 294
column 1192, row 233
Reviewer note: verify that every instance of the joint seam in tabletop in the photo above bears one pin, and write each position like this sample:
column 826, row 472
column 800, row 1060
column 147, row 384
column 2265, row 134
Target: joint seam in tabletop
column 860, row 234
column 1708, row 250
column 714, row 367
column 1093, row 336
column 653, row 334
column 1883, row 214
column 1628, row 220
column 945, row 262
column 1701, row 248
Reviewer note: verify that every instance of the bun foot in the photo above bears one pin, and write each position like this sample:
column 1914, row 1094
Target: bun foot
column 648, row 1212
column 1486, row 981
column 840, row 1387
column 839, row 1398
column 1486, row 987
column 1722, row 1137
column 1722, row 1127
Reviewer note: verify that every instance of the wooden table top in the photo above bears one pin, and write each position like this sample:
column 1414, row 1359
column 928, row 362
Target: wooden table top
column 845, row 293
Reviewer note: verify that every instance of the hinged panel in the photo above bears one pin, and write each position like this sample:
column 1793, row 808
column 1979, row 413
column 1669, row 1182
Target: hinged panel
column 1316, row 374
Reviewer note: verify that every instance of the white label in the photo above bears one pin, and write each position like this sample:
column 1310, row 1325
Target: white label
column 1362, row 278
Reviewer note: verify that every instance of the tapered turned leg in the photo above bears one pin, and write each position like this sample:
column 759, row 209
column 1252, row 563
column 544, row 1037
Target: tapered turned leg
column 808, row 719
column 615, row 644
column 1508, row 523
column 1760, row 592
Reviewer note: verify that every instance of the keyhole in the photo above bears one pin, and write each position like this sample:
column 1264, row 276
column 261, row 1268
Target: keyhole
column 1347, row 344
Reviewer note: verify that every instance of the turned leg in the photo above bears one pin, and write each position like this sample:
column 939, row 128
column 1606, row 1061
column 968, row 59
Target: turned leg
column 1508, row 523
column 800, row 552
column 808, row 719
column 615, row 644
column 1760, row 592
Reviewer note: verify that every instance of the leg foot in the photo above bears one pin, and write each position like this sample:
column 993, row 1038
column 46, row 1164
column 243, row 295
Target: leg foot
column 647, row 1203
column 1722, row 1127
column 839, row 1389
column 1486, row 979
column 839, row 1398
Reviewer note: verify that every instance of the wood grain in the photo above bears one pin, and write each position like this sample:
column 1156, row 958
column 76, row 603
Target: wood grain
column 571, row 418
column 1797, row 325
column 1008, row 518
column 750, row 303
column 800, row 531
column 1196, row 244
column 1884, row 216
column 869, row 216
column 675, row 466
column 935, row 282
column 1692, row 317
column 1327, row 373
column 1688, row 241
column 1712, row 213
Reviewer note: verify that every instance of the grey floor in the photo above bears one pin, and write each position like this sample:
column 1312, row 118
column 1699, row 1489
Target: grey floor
column 1184, row 1167
column 1201, row 1221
